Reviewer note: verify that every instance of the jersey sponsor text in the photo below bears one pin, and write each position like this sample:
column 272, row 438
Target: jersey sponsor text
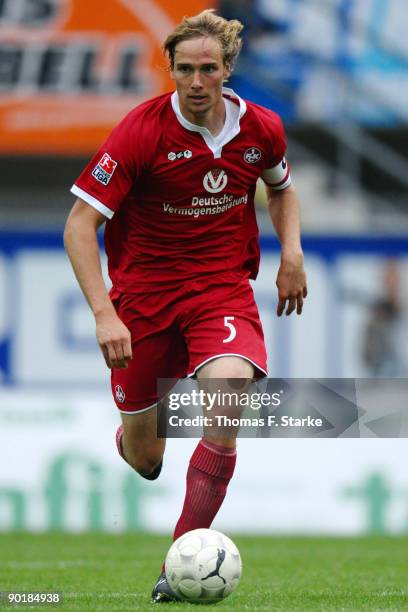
column 206, row 206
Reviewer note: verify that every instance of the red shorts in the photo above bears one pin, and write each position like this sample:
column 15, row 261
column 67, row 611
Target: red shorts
column 176, row 331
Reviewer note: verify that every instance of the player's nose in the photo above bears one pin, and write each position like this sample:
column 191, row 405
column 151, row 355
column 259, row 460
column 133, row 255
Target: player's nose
column 196, row 84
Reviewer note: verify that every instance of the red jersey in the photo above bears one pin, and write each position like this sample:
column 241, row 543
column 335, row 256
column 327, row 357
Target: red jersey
column 179, row 202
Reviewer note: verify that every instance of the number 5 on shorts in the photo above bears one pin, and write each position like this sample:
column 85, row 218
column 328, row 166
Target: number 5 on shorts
column 232, row 329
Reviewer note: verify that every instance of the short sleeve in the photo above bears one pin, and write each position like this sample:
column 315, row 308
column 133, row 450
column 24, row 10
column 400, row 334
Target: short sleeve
column 277, row 171
column 109, row 176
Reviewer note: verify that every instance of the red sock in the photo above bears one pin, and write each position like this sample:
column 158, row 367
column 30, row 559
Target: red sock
column 210, row 470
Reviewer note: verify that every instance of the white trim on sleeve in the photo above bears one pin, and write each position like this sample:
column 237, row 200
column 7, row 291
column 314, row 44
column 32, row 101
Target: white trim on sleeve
column 80, row 193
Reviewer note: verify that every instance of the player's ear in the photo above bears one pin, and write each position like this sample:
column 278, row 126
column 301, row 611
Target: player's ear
column 227, row 72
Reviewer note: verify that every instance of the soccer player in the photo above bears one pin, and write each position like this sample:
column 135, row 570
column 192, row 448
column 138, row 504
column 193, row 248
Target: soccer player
column 174, row 184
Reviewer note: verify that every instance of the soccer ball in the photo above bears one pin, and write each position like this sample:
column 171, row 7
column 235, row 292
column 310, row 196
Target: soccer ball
column 203, row 566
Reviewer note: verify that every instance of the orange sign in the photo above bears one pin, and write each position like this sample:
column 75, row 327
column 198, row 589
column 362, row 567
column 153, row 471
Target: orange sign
column 71, row 69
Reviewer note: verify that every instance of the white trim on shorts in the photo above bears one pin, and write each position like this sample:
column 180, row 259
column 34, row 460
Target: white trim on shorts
column 227, row 355
column 138, row 411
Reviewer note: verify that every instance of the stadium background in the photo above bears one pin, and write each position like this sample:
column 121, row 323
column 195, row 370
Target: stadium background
column 336, row 70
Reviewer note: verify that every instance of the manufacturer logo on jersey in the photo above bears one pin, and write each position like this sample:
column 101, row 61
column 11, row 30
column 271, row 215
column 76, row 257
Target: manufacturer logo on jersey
column 215, row 181
column 179, row 155
column 252, row 155
column 119, row 394
column 104, row 169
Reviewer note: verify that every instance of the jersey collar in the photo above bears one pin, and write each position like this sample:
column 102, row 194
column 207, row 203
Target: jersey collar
column 215, row 143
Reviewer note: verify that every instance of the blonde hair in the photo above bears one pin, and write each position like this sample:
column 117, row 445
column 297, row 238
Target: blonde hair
column 207, row 23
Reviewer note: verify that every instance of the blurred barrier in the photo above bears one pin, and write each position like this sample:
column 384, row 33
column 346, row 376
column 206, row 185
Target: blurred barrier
column 70, row 70
column 353, row 325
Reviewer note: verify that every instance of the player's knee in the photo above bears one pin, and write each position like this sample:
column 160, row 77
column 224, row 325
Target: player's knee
column 232, row 367
column 243, row 370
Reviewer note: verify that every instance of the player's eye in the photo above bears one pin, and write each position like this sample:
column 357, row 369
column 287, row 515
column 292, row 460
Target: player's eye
column 209, row 68
column 184, row 69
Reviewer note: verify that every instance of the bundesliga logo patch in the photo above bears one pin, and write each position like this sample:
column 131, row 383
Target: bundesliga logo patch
column 104, row 169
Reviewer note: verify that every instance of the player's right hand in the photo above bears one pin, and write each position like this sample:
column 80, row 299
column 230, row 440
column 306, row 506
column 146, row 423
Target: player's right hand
column 114, row 340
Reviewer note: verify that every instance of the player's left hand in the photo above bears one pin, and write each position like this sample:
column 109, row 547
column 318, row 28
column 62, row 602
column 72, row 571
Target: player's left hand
column 291, row 284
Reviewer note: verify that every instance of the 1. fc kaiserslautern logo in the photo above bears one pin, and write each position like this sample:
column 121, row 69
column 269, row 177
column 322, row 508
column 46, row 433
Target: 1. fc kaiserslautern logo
column 120, row 394
column 252, row 155
column 215, row 181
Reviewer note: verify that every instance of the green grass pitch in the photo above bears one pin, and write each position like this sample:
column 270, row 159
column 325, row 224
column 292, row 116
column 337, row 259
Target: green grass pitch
column 116, row 572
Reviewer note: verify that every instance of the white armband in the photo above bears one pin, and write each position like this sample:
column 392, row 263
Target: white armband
column 278, row 177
